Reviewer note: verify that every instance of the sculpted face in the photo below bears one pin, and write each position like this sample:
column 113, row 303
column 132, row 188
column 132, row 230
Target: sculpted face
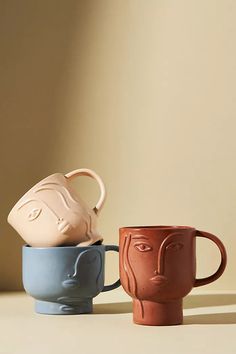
column 84, row 277
column 157, row 268
column 52, row 210
column 67, row 282
column 52, row 214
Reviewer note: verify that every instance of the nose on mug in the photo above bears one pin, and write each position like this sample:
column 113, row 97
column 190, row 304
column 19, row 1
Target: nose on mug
column 52, row 213
column 158, row 268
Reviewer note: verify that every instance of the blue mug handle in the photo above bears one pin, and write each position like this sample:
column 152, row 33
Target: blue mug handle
column 117, row 283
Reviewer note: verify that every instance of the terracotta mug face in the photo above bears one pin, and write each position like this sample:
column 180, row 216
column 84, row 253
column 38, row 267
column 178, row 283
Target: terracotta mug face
column 158, row 268
column 52, row 213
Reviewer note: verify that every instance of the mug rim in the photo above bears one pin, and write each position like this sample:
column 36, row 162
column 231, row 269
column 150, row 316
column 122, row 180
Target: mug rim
column 157, row 227
column 26, row 246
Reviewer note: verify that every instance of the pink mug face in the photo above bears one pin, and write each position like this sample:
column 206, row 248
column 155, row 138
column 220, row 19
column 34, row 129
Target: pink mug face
column 52, row 214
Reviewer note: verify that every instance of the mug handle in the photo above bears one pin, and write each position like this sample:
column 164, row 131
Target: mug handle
column 220, row 270
column 117, row 283
column 87, row 172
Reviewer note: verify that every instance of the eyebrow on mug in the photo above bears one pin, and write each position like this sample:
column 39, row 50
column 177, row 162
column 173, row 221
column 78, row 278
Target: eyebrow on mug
column 138, row 237
column 54, row 190
column 26, row 202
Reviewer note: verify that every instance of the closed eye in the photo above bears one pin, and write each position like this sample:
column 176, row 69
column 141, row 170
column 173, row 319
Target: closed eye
column 175, row 246
column 142, row 246
column 34, row 213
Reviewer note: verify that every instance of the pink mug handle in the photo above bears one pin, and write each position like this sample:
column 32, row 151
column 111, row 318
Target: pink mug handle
column 87, row 172
column 220, row 270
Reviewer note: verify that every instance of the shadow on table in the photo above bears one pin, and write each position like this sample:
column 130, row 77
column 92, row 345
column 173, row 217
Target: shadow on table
column 113, row 308
column 190, row 302
column 211, row 318
column 209, row 300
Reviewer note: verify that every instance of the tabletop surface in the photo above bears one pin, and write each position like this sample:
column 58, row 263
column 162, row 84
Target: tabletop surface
column 209, row 327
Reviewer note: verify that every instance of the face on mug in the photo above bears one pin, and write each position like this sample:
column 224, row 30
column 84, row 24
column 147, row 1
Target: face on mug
column 51, row 210
column 157, row 268
column 86, row 275
column 49, row 276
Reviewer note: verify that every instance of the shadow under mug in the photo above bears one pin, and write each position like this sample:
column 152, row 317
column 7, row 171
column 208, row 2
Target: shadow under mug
column 158, row 268
column 64, row 280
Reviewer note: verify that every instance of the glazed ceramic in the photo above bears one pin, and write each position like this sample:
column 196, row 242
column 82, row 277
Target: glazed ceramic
column 64, row 280
column 158, row 268
column 51, row 213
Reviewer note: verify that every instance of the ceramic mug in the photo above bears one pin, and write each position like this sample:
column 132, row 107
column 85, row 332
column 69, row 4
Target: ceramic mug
column 64, row 280
column 51, row 213
column 158, row 268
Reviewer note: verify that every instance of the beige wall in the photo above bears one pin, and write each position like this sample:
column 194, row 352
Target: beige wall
column 141, row 91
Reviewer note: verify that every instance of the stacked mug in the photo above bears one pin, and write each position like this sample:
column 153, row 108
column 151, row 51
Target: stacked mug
column 63, row 260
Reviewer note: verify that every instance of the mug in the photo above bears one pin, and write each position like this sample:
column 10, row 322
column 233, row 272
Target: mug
column 64, row 280
column 158, row 268
column 52, row 214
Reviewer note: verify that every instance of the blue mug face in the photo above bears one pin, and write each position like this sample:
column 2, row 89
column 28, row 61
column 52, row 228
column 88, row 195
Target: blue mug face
column 65, row 276
column 86, row 274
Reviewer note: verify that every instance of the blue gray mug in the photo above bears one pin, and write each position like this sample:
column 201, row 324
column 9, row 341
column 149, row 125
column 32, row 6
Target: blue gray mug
column 64, row 280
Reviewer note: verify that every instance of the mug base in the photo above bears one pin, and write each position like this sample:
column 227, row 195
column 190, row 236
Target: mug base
column 157, row 314
column 55, row 308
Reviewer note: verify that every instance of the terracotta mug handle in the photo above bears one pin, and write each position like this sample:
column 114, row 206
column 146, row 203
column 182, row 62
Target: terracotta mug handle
column 87, row 172
column 220, row 270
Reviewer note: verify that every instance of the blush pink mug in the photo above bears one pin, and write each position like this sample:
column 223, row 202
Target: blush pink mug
column 52, row 213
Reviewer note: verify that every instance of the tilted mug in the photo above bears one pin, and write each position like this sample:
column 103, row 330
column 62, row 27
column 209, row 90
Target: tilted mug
column 158, row 268
column 52, row 213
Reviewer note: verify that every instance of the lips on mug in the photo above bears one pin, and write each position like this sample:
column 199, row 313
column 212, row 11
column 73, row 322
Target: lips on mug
column 158, row 268
column 52, row 213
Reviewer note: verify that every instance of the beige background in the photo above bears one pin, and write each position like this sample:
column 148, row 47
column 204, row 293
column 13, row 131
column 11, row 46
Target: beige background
column 143, row 92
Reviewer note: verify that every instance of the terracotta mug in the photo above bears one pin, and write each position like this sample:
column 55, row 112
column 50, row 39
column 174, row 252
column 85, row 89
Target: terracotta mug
column 158, row 268
column 52, row 214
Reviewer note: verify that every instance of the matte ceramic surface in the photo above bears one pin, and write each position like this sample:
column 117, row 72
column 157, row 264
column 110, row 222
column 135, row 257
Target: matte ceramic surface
column 64, row 280
column 51, row 213
column 158, row 268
